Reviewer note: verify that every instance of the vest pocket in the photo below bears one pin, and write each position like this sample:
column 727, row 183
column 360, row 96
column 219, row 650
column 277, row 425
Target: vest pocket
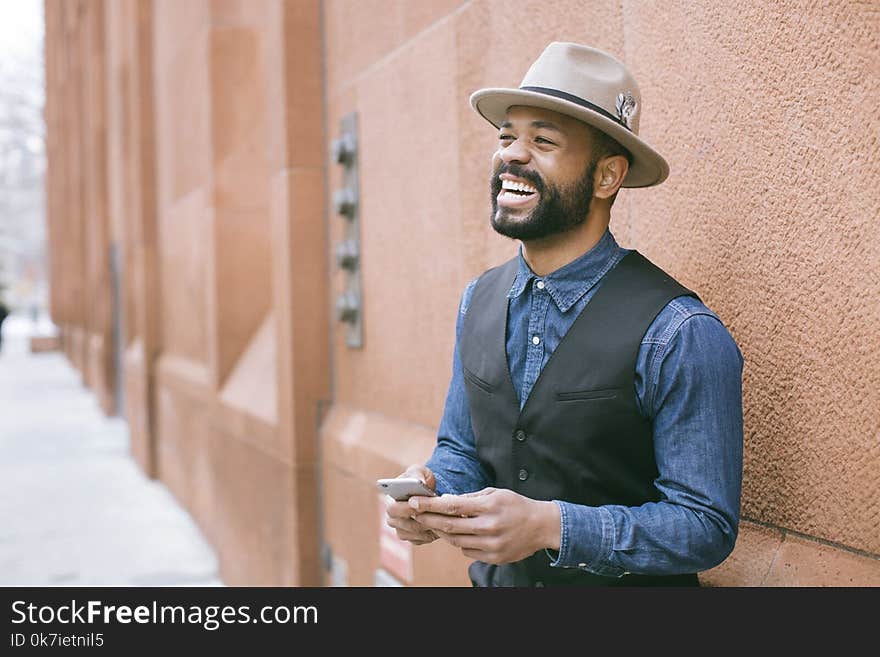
column 477, row 381
column 576, row 395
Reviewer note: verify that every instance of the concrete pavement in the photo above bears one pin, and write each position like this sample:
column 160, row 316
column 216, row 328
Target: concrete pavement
column 75, row 509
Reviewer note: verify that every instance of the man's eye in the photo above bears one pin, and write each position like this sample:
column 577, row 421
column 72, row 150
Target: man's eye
column 544, row 140
column 505, row 138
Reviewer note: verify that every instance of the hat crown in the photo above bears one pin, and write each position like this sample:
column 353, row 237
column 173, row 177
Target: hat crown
column 590, row 86
column 590, row 75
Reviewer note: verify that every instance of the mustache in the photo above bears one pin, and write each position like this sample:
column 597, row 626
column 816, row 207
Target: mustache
column 520, row 172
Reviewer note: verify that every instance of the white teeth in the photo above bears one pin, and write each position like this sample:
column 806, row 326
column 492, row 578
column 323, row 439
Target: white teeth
column 518, row 186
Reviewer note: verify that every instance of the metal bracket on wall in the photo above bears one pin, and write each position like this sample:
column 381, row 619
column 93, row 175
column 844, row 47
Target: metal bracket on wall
column 346, row 203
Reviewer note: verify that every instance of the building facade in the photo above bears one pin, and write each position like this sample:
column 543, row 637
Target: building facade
column 262, row 214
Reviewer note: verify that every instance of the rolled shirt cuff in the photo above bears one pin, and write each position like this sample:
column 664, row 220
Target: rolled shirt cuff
column 586, row 540
column 441, row 486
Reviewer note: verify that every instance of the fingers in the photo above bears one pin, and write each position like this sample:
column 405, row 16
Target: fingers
column 480, row 555
column 453, row 505
column 422, row 473
column 446, row 524
column 479, row 493
column 398, row 509
column 399, row 517
column 482, row 544
column 479, row 548
column 410, row 530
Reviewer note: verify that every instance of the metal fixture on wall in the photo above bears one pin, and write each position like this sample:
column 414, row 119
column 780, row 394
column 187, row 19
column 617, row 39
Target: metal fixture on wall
column 349, row 304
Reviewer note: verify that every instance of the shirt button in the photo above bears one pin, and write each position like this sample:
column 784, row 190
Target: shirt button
column 520, row 435
column 539, row 583
column 540, row 285
column 536, row 340
column 523, row 474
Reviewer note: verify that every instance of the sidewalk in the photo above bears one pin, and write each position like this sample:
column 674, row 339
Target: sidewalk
column 75, row 509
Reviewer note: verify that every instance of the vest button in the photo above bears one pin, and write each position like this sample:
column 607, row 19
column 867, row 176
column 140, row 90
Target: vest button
column 520, row 435
column 523, row 474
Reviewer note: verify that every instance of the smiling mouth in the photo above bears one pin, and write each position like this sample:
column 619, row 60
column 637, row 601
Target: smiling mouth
column 514, row 193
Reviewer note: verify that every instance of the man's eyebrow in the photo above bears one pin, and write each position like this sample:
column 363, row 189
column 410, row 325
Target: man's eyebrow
column 535, row 124
column 545, row 124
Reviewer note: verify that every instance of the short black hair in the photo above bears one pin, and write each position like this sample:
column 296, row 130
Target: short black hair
column 604, row 145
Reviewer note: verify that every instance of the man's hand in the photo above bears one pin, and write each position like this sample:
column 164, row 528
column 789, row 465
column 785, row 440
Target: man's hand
column 400, row 515
column 492, row 525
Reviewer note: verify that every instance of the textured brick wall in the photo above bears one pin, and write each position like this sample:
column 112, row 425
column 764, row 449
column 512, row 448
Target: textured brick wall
column 194, row 131
column 773, row 213
column 195, row 135
column 768, row 115
column 80, row 232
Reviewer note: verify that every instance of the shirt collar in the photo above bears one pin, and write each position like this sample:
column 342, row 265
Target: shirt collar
column 570, row 282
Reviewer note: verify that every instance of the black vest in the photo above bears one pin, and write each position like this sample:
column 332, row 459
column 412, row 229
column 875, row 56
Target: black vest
column 579, row 436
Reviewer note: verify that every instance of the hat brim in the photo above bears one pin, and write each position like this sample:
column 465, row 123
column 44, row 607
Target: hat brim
column 648, row 166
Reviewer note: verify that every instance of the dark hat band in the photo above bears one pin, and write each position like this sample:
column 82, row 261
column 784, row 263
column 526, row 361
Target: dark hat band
column 577, row 100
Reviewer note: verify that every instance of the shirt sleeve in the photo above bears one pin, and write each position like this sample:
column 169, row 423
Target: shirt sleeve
column 454, row 462
column 693, row 395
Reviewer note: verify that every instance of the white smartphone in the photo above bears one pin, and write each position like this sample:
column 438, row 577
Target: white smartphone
column 403, row 488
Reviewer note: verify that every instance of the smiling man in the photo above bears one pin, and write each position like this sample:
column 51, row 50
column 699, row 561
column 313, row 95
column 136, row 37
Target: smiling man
column 592, row 432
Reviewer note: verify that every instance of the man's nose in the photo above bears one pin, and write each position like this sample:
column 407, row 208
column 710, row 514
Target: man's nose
column 515, row 152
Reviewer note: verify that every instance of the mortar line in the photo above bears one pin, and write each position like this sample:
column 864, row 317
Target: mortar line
column 773, row 560
column 815, row 539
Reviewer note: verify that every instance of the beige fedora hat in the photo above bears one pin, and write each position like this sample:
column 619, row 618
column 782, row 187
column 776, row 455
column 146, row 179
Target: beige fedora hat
column 589, row 85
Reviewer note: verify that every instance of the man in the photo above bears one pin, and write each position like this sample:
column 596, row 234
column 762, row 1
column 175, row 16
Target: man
column 592, row 432
column 4, row 313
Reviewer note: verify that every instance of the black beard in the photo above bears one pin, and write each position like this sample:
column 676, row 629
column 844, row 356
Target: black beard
column 558, row 211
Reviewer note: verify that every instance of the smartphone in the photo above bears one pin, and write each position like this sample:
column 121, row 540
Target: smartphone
column 403, row 488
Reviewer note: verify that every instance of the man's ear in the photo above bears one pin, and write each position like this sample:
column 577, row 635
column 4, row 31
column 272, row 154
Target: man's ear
column 610, row 172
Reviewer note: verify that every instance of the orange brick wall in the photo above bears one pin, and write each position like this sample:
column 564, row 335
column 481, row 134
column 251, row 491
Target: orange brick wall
column 770, row 213
column 195, row 136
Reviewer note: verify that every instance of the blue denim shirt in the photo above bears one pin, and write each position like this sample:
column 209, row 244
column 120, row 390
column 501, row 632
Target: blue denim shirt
column 688, row 383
